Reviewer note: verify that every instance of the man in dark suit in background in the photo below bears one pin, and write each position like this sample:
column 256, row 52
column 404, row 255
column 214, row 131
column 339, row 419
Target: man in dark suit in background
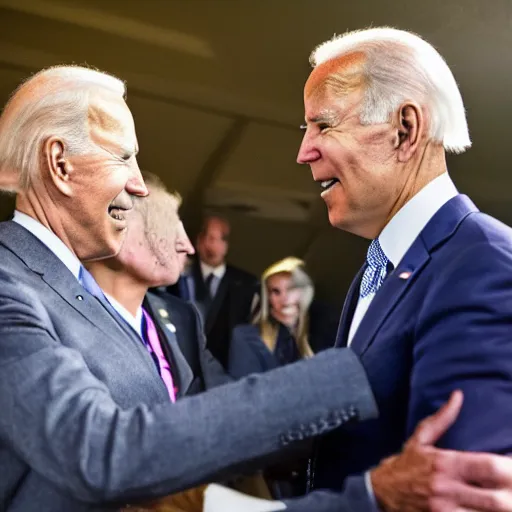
column 223, row 294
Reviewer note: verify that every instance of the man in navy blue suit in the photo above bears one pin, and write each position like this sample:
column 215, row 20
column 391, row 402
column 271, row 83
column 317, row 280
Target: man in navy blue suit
column 431, row 309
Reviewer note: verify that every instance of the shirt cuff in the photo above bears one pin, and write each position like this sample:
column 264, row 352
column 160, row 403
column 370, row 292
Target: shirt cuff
column 369, row 490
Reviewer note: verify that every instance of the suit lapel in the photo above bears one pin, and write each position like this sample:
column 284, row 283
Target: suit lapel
column 389, row 295
column 439, row 229
column 55, row 274
column 170, row 327
column 349, row 307
column 38, row 258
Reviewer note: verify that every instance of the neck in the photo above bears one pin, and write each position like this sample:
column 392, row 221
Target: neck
column 431, row 165
column 30, row 204
column 116, row 282
column 211, row 265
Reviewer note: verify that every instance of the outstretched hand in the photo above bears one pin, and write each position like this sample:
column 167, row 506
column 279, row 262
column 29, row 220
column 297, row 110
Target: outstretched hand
column 425, row 478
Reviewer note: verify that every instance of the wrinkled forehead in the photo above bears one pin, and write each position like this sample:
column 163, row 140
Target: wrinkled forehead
column 342, row 74
column 110, row 121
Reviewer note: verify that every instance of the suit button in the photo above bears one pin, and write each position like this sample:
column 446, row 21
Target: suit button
column 80, row 297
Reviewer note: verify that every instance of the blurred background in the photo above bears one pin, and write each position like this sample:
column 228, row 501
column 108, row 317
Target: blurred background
column 215, row 87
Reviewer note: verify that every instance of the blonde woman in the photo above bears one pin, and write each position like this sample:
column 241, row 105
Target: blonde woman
column 279, row 334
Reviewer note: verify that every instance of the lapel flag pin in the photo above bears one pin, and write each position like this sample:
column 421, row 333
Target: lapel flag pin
column 405, row 275
column 163, row 313
column 170, row 327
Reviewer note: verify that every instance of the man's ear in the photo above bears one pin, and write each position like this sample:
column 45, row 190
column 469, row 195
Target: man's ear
column 410, row 126
column 58, row 165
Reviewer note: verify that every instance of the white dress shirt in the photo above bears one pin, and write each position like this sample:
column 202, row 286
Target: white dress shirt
column 135, row 322
column 404, row 228
column 51, row 240
column 218, row 273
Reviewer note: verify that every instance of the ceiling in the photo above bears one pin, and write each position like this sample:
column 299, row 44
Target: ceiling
column 215, row 87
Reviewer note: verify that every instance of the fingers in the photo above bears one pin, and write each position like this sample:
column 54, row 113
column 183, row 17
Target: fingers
column 484, row 469
column 432, row 428
column 449, row 494
column 485, row 500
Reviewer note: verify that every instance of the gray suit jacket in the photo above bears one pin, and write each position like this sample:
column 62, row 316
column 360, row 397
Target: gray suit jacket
column 85, row 420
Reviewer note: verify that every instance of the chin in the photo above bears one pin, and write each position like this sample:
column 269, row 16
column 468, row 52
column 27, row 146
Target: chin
column 336, row 220
column 111, row 246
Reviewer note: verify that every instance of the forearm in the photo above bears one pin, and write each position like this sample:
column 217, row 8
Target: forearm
column 64, row 424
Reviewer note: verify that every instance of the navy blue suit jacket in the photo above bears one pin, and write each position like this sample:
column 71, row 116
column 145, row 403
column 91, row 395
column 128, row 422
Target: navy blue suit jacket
column 441, row 321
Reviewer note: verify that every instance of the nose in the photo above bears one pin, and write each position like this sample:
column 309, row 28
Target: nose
column 188, row 248
column 135, row 185
column 307, row 151
column 286, row 298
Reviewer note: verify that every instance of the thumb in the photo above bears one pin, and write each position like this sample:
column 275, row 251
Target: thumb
column 432, row 428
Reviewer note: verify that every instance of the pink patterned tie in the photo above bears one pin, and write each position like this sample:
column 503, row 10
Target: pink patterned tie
column 156, row 347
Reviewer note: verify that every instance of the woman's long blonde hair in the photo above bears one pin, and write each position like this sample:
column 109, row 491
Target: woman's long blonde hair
column 269, row 328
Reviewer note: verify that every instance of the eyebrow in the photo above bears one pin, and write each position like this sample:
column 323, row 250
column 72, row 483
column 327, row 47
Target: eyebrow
column 325, row 116
column 331, row 119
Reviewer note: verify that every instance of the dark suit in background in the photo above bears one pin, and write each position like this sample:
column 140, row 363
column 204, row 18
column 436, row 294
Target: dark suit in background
column 230, row 306
column 193, row 367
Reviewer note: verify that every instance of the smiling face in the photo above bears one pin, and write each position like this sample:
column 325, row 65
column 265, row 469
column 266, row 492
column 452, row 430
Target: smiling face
column 284, row 298
column 100, row 183
column 354, row 164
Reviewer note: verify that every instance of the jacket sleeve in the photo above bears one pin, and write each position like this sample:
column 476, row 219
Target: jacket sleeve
column 62, row 421
column 354, row 497
column 464, row 341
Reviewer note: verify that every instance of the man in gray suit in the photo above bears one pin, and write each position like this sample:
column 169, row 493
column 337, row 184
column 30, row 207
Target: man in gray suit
column 86, row 423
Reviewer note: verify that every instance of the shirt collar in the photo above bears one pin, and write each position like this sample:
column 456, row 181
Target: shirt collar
column 401, row 231
column 133, row 321
column 51, row 240
column 218, row 272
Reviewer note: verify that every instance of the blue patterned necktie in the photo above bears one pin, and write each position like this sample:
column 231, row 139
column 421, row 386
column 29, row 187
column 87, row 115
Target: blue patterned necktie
column 376, row 269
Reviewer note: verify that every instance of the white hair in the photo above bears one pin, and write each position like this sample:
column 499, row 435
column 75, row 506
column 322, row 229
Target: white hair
column 400, row 66
column 59, row 109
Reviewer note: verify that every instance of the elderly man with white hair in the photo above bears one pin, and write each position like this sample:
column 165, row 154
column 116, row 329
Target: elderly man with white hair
column 87, row 422
column 430, row 311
